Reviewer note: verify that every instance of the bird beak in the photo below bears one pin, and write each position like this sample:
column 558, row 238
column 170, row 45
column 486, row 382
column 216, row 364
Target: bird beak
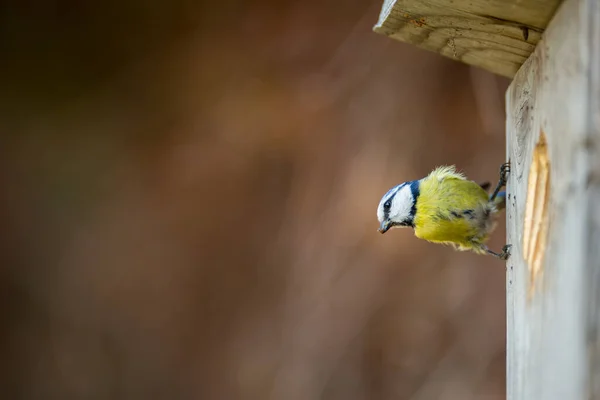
column 384, row 227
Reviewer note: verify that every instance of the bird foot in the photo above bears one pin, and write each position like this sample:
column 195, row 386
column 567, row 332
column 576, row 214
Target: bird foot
column 504, row 172
column 503, row 255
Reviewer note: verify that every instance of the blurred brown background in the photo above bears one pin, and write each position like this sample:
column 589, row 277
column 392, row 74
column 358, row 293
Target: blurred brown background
column 188, row 196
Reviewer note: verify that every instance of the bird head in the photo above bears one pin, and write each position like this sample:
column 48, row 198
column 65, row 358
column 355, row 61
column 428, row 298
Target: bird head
column 397, row 207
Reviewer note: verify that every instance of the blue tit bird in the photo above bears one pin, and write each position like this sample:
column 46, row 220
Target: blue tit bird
column 445, row 207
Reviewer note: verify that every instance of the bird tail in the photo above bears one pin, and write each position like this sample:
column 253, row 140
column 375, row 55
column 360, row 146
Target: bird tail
column 500, row 201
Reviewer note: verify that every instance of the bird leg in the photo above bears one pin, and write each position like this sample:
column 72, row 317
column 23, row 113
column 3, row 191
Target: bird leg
column 504, row 255
column 504, row 171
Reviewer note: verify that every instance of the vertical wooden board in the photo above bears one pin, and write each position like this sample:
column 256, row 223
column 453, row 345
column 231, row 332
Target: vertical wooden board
column 553, row 212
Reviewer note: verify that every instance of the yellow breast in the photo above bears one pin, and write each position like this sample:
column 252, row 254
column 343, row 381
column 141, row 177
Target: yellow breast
column 452, row 210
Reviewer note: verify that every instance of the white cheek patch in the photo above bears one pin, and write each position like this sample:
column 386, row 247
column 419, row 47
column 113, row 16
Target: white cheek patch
column 402, row 200
column 389, row 195
column 402, row 204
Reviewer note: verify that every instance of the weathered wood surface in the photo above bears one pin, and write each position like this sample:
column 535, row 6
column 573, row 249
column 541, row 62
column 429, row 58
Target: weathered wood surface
column 497, row 35
column 553, row 212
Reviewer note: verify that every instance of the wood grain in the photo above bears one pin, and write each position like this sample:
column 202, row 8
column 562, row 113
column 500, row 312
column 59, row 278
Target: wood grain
column 553, row 350
column 497, row 35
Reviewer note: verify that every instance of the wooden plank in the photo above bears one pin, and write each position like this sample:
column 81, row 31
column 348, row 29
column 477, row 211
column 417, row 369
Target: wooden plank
column 497, row 35
column 553, row 212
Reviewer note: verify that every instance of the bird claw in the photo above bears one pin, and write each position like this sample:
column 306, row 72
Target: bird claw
column 504, row 172
column 504, row 254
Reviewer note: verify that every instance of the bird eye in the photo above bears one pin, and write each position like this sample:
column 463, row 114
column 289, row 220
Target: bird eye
column 387, row 204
